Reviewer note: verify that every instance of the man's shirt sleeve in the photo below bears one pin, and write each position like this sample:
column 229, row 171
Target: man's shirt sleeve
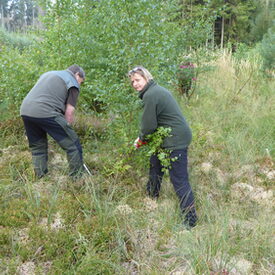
column 73, row 96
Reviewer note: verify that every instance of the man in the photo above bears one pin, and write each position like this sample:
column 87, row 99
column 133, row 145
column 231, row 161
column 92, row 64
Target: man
column 49, row 109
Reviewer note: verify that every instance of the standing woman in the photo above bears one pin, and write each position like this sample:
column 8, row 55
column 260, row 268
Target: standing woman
column 160, row 109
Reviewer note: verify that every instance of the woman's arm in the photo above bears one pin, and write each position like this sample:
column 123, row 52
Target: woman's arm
column 149, row 122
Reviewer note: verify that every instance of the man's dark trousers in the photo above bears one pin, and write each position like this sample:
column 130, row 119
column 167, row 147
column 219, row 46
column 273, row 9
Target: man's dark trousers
column 58, row 128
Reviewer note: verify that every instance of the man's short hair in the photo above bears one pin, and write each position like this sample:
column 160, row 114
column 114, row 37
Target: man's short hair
column 77, row 69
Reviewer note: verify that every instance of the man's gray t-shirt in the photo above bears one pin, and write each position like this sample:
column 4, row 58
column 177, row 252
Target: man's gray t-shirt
column 49, row 95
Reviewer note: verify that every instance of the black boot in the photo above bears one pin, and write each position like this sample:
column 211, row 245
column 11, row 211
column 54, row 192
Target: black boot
column 190, row 219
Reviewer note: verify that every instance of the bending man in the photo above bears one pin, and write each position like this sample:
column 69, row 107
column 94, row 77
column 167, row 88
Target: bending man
column 49, row 109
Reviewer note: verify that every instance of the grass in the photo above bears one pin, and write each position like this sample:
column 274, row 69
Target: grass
column 107, row 225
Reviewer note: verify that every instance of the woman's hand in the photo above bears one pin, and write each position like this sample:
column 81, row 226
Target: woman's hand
column 138, row 143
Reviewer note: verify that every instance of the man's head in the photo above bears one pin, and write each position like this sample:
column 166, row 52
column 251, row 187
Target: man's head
column 78, row 73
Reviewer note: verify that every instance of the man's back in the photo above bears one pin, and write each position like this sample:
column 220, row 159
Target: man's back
column 47, row 98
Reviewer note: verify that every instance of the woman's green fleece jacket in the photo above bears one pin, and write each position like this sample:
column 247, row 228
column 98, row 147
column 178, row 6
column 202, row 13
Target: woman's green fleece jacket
column 161, row 109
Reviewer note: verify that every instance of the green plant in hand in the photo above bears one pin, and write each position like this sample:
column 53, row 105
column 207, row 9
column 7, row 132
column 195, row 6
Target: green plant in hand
column 155, row 147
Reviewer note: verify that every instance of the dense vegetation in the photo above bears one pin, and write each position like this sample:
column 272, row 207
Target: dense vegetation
column 105, row 224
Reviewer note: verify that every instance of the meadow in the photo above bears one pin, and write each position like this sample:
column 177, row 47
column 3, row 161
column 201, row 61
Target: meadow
column 105, row 223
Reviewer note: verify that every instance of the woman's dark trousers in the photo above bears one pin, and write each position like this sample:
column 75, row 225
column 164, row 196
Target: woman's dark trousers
column 179, row 178
column 58, row 128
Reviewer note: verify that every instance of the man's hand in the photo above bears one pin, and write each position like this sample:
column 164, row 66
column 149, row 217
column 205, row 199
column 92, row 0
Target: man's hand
column 138, row 143
column 69, row 113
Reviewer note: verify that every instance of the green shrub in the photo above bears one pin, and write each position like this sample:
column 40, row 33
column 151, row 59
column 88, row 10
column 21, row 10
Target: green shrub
column 15, row 40
column 18, row 73
column 267, row 49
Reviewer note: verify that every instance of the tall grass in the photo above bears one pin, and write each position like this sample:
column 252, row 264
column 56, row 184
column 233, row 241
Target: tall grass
column 105, row 224
column 15, row 40
column 236, row 101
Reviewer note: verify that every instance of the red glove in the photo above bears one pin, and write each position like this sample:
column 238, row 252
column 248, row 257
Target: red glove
column 138, row 143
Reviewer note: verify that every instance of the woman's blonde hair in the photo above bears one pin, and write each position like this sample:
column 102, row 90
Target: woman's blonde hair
column 141, row 71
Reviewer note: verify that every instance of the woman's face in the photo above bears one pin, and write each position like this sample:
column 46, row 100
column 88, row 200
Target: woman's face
column 138, row 82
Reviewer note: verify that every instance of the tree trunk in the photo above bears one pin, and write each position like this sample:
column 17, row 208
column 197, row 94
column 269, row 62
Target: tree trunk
column 2, row 17
column 213, row 36
column 222, row 32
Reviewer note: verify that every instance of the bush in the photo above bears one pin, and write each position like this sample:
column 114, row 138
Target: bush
column 267, row 49
column 18, row 74
column 185, row 77
column 15, row 40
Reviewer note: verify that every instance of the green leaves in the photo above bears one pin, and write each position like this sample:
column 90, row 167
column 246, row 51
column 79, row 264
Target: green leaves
column 155, row 147
column 107, row 38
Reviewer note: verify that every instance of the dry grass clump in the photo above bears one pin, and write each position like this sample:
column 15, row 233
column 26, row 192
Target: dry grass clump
column 246, row 191
column 31, row 268
column 149, row 205
column 27, row 268
column 56, row 224
column 124, row 209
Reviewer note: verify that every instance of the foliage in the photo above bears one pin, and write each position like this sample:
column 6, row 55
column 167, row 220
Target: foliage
column 196, row 20
column 155, row 142
column 18, row 74
column 238, row 15
column 262, row 20
column 229, row 21
column 156, row 39
column 267, row 49
column 160, row 32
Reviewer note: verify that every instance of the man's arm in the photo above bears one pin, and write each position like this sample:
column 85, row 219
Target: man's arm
column 70, row 104
column 69, row 113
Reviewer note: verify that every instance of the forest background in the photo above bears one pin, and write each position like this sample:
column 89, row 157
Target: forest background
column 106, row 224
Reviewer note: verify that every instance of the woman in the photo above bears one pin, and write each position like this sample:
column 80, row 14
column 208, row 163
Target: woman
column 160, row 109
